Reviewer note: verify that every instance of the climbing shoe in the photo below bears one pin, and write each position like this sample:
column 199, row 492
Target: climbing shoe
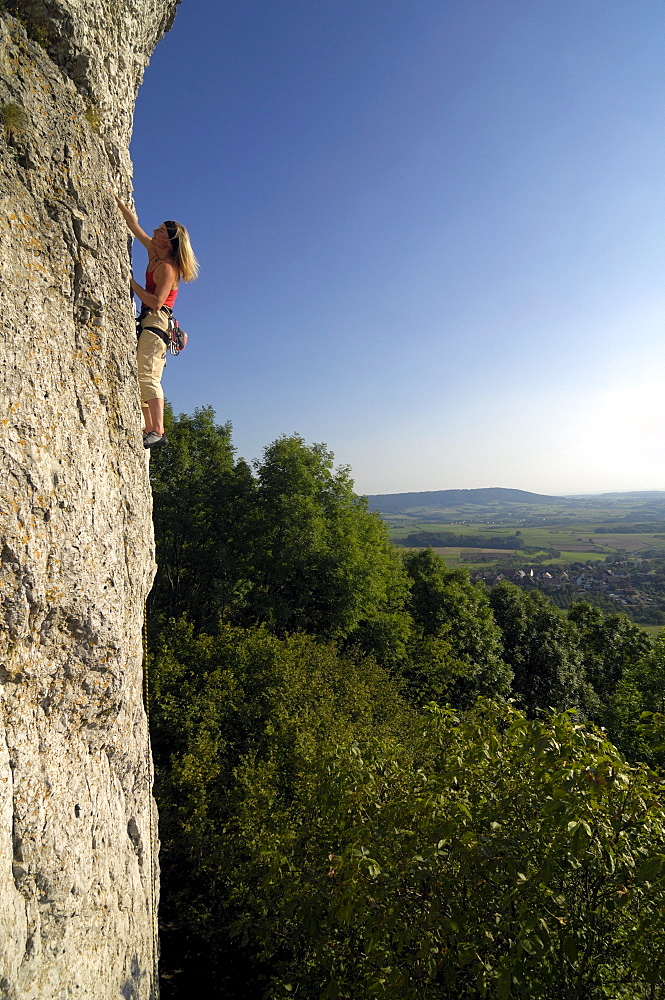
column 154, row 440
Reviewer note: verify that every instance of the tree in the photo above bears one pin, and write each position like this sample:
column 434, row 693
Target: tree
column 635, row 711
column 319, row 561
column 289, row 544
column 200, row 498
column 610, row 644
column 541, row 647
column 455, row 652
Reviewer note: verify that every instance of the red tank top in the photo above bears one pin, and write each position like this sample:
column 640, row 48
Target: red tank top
column 151, row 287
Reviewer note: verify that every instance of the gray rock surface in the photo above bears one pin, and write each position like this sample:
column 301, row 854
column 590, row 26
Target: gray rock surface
column 77, row 821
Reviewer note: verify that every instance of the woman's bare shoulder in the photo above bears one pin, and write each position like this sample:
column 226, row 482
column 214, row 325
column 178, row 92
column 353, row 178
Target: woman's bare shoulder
column 166, row 263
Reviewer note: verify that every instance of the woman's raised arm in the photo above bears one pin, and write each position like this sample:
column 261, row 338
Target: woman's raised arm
column 133, row 224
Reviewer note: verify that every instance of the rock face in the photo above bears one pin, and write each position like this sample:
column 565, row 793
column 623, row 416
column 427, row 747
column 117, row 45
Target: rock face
column 77, row 821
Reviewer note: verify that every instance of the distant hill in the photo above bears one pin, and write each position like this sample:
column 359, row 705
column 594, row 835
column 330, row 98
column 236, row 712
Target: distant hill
column 630, row 495
column 396, row 503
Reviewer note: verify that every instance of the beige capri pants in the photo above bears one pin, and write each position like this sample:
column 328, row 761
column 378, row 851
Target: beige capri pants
column 151, row 355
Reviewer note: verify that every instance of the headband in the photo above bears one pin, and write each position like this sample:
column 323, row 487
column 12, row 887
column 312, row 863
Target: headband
column 172, row 230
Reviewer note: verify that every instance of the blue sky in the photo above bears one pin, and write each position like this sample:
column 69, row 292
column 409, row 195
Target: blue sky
column 431, row 233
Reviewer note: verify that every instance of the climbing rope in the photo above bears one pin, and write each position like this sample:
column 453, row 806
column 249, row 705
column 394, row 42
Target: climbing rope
column 154, row 984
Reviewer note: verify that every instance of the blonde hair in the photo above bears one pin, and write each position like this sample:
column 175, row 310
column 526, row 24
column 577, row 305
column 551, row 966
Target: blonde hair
column 185, row 261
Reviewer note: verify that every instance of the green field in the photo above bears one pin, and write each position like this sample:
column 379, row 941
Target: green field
column 577, row 543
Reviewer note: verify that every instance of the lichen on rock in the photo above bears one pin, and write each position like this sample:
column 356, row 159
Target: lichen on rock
column 77, row 821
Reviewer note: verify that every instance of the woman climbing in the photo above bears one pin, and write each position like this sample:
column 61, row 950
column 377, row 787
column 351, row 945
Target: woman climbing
column 170, row 258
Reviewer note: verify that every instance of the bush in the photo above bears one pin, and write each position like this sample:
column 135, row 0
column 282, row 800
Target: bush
column 13, row 118
column 521, row 859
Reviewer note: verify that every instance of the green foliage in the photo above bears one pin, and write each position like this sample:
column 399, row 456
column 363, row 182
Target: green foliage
column 317, row 833
column 501, row 865
column 93, row 116
column 635, row 712
column 239, row 722
column 610, row 644
column 420, row 539
column 455, row 652
column 40, row 34
column 321, row 562
column 13, row 117
column 199, row 499
column 35, row 29
column 541, row 646
column 326, row 833
column 290, row 546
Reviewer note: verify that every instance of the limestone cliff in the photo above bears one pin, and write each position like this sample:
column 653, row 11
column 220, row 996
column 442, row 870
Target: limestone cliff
column 77, row 823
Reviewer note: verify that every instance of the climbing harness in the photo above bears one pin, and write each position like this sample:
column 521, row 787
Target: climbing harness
column 154, row 987
column 175, row 338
